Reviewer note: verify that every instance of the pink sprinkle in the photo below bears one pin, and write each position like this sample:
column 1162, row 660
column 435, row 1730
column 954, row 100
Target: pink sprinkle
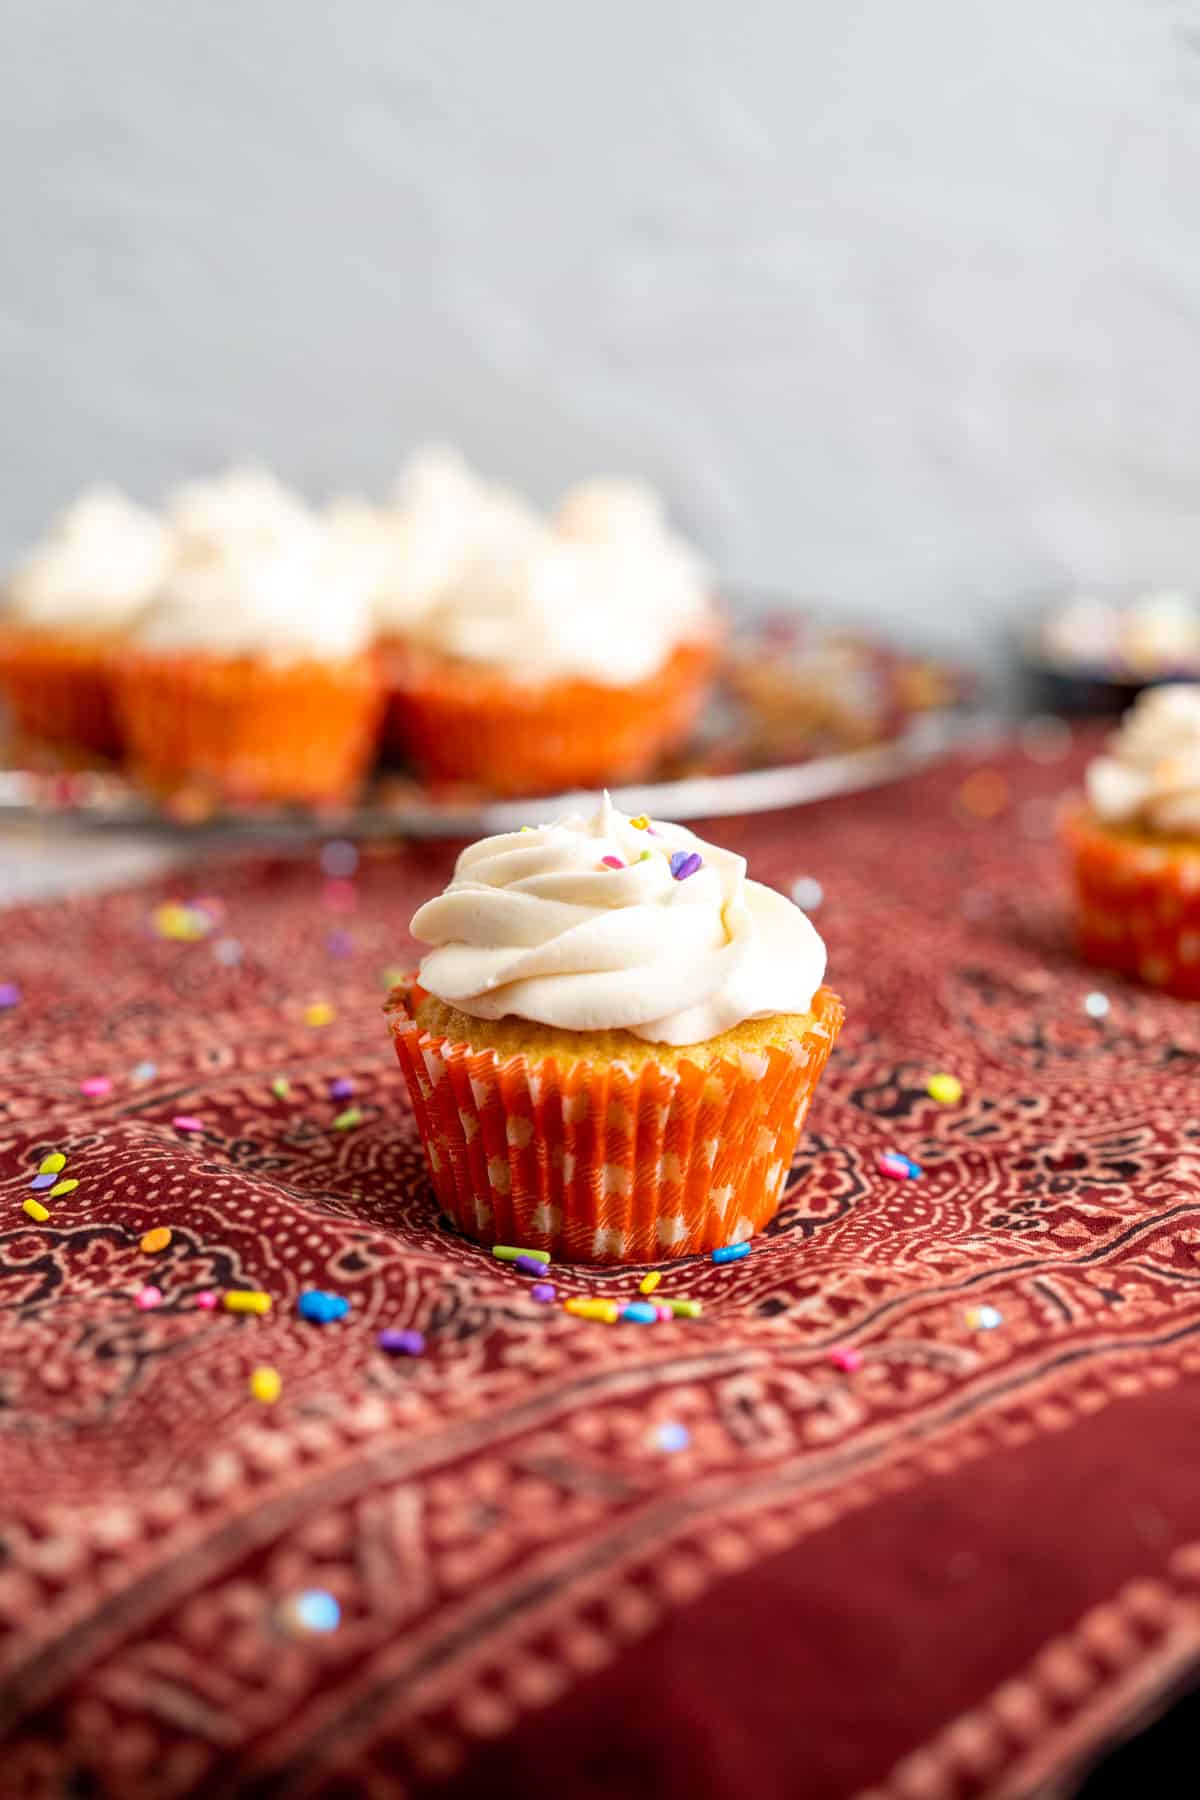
column 95, row 1086
column 611, row 862
column 185, row 1122
column 148, row 1299
column 846, row 1359
column 895, row 1166
column 206, row 1300
column 340, row 896
column 664, row 1312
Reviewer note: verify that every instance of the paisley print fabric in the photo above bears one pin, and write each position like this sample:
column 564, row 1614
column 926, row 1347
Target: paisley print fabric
column 908, row 1511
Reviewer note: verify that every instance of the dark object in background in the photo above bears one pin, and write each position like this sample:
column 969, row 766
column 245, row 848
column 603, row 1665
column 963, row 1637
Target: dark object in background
column 1087, row 654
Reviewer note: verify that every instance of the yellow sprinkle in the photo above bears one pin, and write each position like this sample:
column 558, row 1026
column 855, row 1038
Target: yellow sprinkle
column 247, row 1300
column 945, row 1089
column 319, row 1013
column 156, row 1239
column 62, row 1187
column 50, row 1165
column 36, row 1210
column 584, row 1308
column 649, row 1282
column 266, row 1385
column 641, row 823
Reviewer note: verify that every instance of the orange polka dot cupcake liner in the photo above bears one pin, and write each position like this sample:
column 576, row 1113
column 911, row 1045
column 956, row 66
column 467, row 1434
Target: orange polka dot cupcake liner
column 603, row 1163
column 1138, row 905
column 59, row 690
column 458, row 723
column 248, row 731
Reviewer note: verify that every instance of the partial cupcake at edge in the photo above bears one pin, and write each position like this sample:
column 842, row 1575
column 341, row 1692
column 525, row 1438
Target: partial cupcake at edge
column 66, row 609
column 1135, row 845
column 613, row 1042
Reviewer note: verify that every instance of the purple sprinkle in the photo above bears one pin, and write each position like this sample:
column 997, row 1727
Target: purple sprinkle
column 341, row 1089
column 339, row 943
column 401, row 1343
column 10, row 995
column 43, row 1181
column 545, row 1291
column 685, row 863
column 529, row 1265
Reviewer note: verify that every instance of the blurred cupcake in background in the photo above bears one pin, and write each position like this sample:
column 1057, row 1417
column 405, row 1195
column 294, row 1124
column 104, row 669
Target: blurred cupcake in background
column 441, row 521
column 1136, row 845
column 65, row 610
column 250, row 679
column 560, row 655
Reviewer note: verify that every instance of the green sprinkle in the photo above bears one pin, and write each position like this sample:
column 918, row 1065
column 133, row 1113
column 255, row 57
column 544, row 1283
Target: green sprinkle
column 346, row 1121
column 508, row 1253
column 62, row 1187
column 281, row 1087
column 685, row 1309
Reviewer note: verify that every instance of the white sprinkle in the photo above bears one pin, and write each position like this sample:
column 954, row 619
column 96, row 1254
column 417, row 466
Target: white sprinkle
column 1096, row 1005
column 807, row 892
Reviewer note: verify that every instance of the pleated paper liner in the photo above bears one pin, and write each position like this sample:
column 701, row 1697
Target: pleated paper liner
column 600, row 1162
column 460, row 722
column 59, row 689
column 247, row 730
column 1138, row 904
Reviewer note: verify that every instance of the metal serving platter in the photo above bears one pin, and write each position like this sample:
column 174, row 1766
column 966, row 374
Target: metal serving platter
column 726, row 772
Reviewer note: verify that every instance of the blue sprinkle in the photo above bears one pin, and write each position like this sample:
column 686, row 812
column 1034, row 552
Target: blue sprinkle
column 339, row 859
column 685, row 863
column 322, row 1308
column 145, row 1071
column 673, row 1436
column 730, row 1253
column 317, row 1610
column 43, row 1181
column 640, row 1312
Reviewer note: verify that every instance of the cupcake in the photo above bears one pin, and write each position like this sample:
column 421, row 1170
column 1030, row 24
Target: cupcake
column 613, row 1042
column 1136, row 845
column 64, row 611
column 558, row 656
column 250, row 679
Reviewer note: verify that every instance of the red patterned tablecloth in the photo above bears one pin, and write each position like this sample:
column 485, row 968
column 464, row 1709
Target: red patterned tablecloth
column 957, row 1570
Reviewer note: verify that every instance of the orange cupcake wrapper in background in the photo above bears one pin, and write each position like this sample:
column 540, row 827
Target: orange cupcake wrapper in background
column 59, row 690
column 1138, row 906
column 458, row 723
column 604, row 1163
column 249, row 731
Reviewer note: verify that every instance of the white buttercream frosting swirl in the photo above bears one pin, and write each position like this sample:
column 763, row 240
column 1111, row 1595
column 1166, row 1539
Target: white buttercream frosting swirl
column 606, row 594
column 257, row 574
column 536, row 925
column 94, row 571
column 1149, row 774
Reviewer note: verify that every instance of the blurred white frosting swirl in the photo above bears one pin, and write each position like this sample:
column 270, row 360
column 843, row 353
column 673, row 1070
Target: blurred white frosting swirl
column 94, row 571
column 257, row 574
column 534, row 924
column 1149, row 774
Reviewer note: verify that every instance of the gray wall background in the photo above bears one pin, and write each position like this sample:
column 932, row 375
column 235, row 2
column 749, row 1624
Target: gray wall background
column 899, row 300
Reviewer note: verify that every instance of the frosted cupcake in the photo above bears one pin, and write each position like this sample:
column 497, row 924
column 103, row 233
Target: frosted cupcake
column 251, row 679
column 65, row 609
column 563, row 657
column 613, row 1042
column 1136, row 845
